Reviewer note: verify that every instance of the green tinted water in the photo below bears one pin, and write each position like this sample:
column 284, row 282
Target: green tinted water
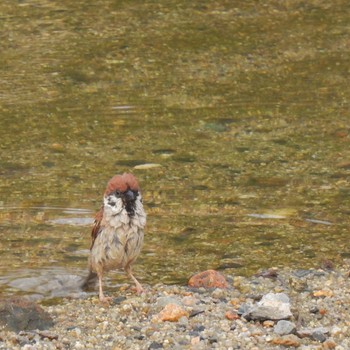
column 244, row 105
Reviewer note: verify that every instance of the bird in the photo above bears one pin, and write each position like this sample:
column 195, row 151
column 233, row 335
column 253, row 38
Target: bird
column 118, row 231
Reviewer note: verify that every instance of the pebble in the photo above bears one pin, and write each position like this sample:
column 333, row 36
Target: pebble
column 284, row 327
column 323, row 293
column 172, row 313
column 231, row 315
column 272, row 306
column 208, row 279
column 289, row 340
column 189, row 318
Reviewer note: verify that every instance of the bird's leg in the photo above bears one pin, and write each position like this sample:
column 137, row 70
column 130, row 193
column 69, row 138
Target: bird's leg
column 102, row 298
column 139, row 288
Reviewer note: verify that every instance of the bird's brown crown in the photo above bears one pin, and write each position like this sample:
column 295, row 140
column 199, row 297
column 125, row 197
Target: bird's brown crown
column 122, row 183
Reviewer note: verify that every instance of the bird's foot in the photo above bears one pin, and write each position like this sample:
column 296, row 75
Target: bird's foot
column 105, row 300
column 139, row 290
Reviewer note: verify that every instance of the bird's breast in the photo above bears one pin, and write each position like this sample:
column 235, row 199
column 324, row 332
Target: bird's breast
column 117, row 247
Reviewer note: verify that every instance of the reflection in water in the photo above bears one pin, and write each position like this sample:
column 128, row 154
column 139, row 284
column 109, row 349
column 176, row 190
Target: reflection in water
column 233, row 115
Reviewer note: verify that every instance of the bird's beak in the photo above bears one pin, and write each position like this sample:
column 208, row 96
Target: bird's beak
column 129, row 196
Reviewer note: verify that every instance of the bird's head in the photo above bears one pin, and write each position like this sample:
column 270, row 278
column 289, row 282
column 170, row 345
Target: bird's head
column 122, row 192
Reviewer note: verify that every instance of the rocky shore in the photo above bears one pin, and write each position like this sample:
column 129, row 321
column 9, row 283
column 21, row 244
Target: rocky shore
column 276, row 309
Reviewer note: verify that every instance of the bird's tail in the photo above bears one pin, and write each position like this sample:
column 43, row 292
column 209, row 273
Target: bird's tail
column 90, row 281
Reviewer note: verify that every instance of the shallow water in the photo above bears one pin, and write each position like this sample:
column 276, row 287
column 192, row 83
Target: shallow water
column 234, row 117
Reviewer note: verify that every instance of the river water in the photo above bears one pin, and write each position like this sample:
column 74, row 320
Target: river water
column 234, row 116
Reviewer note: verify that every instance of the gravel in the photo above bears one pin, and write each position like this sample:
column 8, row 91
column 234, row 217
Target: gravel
column 209, row 319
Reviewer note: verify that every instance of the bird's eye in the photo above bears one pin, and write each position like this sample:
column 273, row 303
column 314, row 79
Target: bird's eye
column 117, row 193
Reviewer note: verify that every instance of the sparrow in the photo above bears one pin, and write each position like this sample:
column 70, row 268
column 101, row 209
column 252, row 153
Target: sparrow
column 118, row 231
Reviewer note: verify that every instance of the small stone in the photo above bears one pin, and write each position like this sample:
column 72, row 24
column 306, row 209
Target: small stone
column 28, row 347
column 212, row 340
column 284, row 327
column 304, row 332
column 183, row 320
column 172, row 313
column 195, row 340
column 76, row 332
column 218, row 293
column 323, row 312
column 335, row 330
column 49, row 335
column 308, row 332
column 57, row 147
column 268, row 324
column 208, row 279
column 155, row 345
column 318, row 335
column 79, row 345
column 118, row 300
column 314, row 310
column 231, row 315
column 244, row 308
column 329, row 344
column 322, row 293
column 189, row 300
column 147, row 166
column 235, row 302
column 272, row 306
column 289, row 340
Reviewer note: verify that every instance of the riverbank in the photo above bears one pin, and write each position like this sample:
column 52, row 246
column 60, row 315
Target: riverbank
column 304, row 309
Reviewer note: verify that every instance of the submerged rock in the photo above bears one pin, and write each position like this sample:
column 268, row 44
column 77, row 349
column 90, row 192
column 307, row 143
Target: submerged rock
column 208, row 279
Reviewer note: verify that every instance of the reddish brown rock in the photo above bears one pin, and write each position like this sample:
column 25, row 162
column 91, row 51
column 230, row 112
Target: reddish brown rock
column 289, row 340
column 231, row 315
column 208, row 279
column 323, row 312
column 172, row 313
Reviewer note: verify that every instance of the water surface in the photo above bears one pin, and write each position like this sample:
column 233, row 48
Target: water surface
column 242, row 108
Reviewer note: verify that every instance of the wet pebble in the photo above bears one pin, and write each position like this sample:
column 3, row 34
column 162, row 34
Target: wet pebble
column 208, row 279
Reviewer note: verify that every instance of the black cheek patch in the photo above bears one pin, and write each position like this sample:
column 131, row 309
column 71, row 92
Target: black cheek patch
column 130, row 208
column 111, row 202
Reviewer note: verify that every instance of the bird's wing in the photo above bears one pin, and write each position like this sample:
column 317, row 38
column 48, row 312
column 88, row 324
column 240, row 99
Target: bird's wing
column 97, row 226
